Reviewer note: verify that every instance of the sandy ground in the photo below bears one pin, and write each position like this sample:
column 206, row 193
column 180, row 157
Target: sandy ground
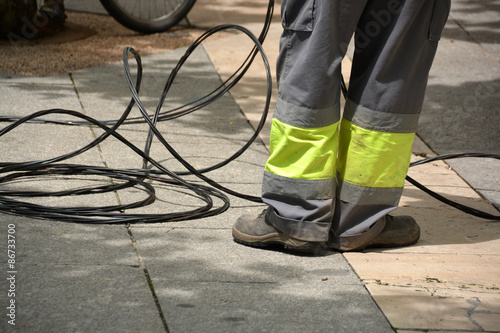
column 88, row 40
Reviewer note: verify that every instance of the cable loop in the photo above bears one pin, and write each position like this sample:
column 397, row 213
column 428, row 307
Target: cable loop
column 137, row 178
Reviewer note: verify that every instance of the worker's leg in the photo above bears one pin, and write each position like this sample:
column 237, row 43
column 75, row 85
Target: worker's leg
column 299, row 181
column 396, row 41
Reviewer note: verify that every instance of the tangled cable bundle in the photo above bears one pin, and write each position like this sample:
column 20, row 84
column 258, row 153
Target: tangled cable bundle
column 10, row 200
column 143, row 178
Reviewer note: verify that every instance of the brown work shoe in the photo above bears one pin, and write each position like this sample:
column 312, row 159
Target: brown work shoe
column 398, row 231
column 257, row 232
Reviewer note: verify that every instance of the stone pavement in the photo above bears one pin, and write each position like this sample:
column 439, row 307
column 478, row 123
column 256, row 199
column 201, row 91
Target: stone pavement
column 190, row 276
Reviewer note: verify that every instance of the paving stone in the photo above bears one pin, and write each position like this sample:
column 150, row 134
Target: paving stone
column 411, row 309
column 207, row 282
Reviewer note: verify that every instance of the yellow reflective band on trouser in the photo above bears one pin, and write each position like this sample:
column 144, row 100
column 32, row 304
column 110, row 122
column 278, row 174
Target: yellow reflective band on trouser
column 371, row 158
column 303, row 153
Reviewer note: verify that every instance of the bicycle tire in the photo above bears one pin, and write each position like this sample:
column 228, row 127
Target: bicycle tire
column 129, row 13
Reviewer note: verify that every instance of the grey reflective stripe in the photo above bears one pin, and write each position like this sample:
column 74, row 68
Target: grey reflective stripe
column 307, row 189
column 352, row 220
column 300, row 116
column 361, row 195
column 380, row 121
column 302, row 208
column 311, row 231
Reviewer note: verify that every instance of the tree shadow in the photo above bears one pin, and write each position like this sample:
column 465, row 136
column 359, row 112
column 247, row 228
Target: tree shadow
column 462, row 118
column 478, row 18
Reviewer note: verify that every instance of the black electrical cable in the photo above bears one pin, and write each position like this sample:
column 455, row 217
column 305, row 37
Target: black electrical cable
column 464, row 208
column 126, row 178
column 99, row 214
column 132, row 177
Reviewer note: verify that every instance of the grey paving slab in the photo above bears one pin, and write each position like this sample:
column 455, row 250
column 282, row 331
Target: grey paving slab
column 222, row 221
column 486, row 181
column 493, row 197
column 28, row 142
column 25, row 98
column 224, row 130
column 74, row 298
column 63, row 79
column 267, row 307
column 481, row 20
column 103, row 91
column 461, row 111
column 64, row 269
column 31, row 142
column 246, row 168
column 107, row 83
column 78, row 278
column 490, row 171
column 197, row 152
column 206, row 282
column 170, row 199
column 61, row 243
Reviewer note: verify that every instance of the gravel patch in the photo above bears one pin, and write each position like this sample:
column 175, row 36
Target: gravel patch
column 88, row 40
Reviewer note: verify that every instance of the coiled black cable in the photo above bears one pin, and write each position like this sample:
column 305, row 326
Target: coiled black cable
column 125, row 178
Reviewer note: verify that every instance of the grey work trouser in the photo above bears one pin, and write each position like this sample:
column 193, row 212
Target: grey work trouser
column 395, row 43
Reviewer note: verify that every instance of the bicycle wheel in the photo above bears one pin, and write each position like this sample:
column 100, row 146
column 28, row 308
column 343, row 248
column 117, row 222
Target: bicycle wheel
column 148, row 16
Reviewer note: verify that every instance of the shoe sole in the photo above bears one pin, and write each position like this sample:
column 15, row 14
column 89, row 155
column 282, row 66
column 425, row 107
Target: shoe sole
column 384, row 246
column 270, row 240
column 388, row 237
